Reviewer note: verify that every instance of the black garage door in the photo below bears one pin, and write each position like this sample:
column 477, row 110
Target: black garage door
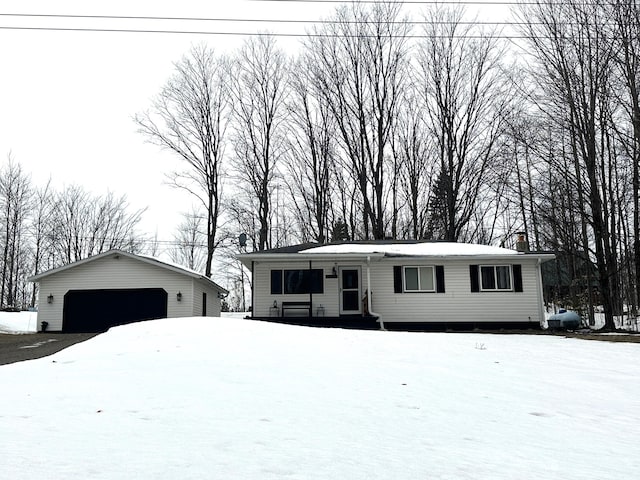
column 98, row 310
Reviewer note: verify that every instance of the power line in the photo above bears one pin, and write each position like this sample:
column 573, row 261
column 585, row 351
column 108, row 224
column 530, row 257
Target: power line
column 257, row 20
column 145, row 17
column 249, row 34
column 178, row 31
column 139, row 30
column 264, row 34
column 245, row 20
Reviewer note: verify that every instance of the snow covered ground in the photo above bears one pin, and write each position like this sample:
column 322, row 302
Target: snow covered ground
column 226, row 398
column 18, row 322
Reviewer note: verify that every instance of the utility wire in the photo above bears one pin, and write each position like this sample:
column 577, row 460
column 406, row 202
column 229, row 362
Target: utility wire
column 258, row 20
column 268, row 34
column 249, row 20
column 178, row 31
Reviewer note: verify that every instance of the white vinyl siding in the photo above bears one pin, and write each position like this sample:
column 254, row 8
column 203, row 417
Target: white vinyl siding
column 456, row 304
column 117, row 272
column 263, row 299
column 213, row 302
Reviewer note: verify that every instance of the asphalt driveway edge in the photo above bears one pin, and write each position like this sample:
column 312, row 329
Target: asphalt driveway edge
column 29, row 346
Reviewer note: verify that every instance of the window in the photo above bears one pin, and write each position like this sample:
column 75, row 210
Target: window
column 495, row 277
column 204, row 304
column 297, row 281
column 303, row 281
column 419, row 279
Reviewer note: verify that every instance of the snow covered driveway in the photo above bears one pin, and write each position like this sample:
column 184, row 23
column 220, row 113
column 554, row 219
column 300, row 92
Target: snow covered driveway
column 18, row 348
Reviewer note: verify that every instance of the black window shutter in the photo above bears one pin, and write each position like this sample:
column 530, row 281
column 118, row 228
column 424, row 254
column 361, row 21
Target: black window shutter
column 440, row 278
column 473, row 275
column 317, row 280
column 276, row 282
column 517, row 278
column 397, row 279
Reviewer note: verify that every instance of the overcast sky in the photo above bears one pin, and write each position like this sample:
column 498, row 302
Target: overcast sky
column 67, row 97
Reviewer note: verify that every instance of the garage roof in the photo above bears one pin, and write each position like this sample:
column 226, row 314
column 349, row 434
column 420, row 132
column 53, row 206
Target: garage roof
column 142, row 258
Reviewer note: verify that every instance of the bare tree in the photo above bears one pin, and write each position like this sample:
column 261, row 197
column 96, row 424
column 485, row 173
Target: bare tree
column 465, row 95
column 189, row 241
column 259, row 92
column 15, row 198
column 626, row 35
column 414, row 148
column 87, row 225
column 569, row 43
column 189, row 117
column 359, row 64
column 70, row 219
column 41, row 231
column 112, row 224
column 241, row 207
column 310, row 156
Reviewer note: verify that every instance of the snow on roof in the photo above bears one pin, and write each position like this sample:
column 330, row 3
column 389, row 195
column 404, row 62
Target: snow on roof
column 436, row 249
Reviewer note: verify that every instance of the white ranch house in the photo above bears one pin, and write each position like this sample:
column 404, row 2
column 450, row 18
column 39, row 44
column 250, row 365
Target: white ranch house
column 117, row 287
column 395, row 284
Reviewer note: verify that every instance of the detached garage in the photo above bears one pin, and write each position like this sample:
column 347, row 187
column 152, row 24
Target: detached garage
column 116, row 287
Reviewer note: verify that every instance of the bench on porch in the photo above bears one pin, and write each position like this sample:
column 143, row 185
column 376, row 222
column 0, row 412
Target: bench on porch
column 296, row 306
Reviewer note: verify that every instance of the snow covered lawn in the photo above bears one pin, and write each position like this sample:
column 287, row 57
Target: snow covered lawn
column 18, row 322
column 226, row 398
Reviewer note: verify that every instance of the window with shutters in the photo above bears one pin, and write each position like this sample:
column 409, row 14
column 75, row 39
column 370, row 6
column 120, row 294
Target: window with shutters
column 495, row 278
column 419, row 279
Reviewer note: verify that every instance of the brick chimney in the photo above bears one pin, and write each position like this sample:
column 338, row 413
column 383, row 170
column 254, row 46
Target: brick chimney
column 522, row 244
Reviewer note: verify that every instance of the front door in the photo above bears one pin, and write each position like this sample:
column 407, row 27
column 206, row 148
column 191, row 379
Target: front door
column 350, row 292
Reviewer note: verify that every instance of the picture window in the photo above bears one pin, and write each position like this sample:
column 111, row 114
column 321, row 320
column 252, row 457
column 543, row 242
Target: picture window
column 291, row 282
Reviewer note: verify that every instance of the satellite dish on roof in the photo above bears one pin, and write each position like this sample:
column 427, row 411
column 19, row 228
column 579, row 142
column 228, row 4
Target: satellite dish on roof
column 242, row 239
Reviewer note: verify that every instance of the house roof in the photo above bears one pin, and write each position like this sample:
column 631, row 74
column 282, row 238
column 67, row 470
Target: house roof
column 142, row 258
column 390, row 248
column 291, row 248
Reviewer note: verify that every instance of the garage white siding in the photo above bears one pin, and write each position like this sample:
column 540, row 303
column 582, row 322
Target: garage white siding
column 212, row 299
column 123, row 271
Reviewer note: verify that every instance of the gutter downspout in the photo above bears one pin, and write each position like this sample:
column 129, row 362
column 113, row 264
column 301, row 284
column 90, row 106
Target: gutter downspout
column 253, row 290
column 371, row 312
column 310, row 293
column 541, row 311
